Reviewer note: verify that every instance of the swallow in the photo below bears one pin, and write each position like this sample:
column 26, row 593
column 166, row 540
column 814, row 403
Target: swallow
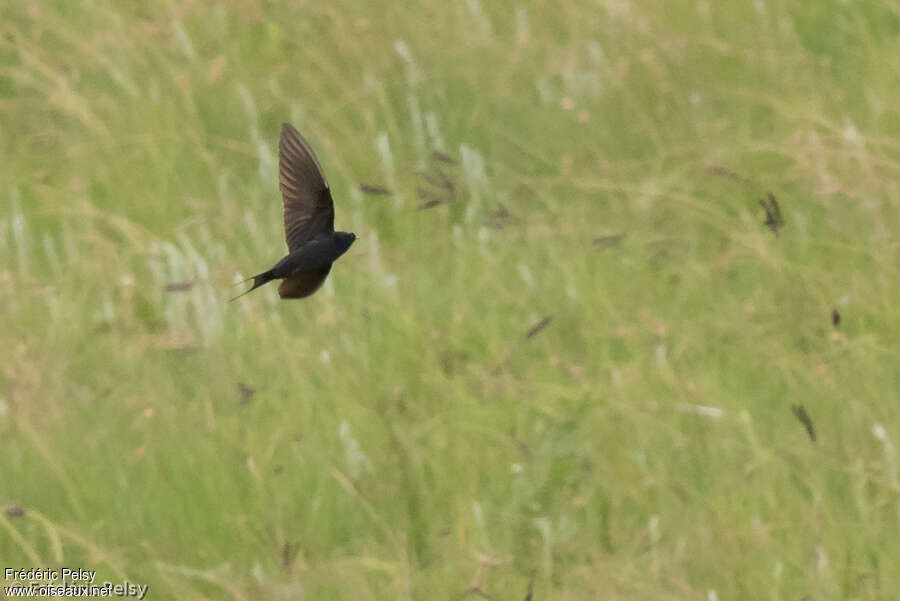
column 312, row 243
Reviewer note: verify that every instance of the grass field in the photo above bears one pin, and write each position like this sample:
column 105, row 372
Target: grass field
column 411, row 432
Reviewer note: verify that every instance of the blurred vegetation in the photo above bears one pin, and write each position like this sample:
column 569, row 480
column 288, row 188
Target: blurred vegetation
column 419, row 429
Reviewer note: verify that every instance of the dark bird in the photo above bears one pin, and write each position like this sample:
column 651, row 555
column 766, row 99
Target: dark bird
column 803, row 417
column 313, row 245
column 773, row 221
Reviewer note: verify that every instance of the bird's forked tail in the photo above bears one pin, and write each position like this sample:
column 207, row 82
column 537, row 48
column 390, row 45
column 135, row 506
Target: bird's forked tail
column 258, row 280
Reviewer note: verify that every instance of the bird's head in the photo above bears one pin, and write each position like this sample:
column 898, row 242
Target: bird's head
column 343, row 240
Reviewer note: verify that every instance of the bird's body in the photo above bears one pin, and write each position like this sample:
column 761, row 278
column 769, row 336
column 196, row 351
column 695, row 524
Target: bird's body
column 313, row 245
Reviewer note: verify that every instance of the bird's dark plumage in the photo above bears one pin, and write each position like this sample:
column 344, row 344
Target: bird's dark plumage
column 313, row 245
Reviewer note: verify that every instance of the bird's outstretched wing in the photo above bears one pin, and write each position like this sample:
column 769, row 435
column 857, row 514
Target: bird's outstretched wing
column 308, row 208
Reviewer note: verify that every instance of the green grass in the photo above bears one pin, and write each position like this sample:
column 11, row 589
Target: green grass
column 403, row 439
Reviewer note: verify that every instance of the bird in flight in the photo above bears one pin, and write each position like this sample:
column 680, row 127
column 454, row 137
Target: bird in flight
column 313, row 245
